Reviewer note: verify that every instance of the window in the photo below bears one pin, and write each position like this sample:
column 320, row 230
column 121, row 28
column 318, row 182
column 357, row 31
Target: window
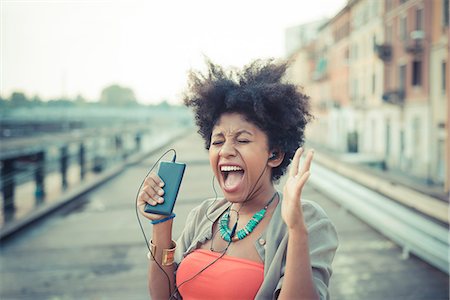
column 445, row 9
column 402, row 142
column 387, row 78
column 419, row 19
column 416, row 73
column 402, row 78
column 388, row 137
column 444, row 76
column 403, row 29
column 374, row 80
column 416, row 132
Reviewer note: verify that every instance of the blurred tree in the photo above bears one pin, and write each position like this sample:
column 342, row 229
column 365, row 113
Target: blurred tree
column 60, row 103
column 3, row 102
column 18, row 99
column 116, row 95
column 36, row 101
column 164, row 104
column 79, row 100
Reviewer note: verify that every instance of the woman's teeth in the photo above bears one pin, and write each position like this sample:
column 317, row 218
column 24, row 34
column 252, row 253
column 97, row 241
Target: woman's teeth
column 230, row 168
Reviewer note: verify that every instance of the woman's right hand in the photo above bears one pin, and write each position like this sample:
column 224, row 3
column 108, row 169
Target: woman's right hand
column 151, row 193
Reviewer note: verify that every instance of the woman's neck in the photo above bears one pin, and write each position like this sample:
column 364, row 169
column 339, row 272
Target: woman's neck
column 257, row 201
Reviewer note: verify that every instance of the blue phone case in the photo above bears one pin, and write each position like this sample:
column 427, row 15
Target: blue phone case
column 172, row 174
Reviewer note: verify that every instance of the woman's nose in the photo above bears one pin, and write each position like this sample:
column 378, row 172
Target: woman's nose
column 227, row 150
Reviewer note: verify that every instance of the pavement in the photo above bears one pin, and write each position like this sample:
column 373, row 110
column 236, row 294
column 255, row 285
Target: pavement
column 92, row 248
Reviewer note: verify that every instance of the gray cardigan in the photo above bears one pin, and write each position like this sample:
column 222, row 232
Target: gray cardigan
column 271, row 245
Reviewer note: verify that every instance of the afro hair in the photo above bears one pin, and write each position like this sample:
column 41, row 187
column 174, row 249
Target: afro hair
column 259, row 93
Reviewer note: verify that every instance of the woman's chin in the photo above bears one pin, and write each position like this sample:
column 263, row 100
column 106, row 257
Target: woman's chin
column 235, row 196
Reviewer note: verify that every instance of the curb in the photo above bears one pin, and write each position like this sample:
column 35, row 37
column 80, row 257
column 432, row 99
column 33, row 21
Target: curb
column 425, row 204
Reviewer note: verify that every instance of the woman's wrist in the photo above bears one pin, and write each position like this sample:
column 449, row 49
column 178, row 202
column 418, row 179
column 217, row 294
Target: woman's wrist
column 162, row 233
column 163, row 220
column 299, row 228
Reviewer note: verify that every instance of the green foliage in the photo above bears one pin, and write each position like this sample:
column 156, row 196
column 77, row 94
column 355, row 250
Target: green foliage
column 18, row 99
column 113, row 95
column 116, row 95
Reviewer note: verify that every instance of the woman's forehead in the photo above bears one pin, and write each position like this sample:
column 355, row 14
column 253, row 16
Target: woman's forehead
column 234, row 123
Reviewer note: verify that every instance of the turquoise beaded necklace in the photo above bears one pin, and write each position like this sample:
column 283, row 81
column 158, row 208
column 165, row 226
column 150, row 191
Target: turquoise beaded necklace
column 225, row 231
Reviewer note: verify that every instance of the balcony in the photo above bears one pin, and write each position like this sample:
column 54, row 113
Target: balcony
column 396, row 97
column 414, row 45
column 383, row 51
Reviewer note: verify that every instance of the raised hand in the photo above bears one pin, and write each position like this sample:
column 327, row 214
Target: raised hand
column 291, row 210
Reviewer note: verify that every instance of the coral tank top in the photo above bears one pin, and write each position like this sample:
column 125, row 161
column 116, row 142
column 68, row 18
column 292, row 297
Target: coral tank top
column 228, row 278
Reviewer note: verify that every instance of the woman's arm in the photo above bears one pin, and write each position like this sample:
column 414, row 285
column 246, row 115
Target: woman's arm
column 159, row 285
column 298, row 280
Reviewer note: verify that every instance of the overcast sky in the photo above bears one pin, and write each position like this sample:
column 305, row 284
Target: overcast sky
column 53, row 48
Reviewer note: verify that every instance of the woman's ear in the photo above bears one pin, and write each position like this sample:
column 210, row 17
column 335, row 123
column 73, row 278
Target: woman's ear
column 275, row 158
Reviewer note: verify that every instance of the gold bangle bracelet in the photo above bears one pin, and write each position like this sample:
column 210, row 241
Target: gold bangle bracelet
column 168, row 255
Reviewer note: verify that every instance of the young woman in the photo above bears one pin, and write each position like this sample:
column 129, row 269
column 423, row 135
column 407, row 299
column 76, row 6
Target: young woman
column 256, row 242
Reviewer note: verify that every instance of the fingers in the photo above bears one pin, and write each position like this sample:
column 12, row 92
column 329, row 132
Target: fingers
column 295, row 170
column 295, row 162
column 152, row 192
column 150, row 216
column 307, row 163
column 302, row 181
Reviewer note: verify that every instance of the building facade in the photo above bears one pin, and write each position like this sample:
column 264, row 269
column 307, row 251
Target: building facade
column 378, row 77
column 439, row 95
column 407, row 84
column 366, row 75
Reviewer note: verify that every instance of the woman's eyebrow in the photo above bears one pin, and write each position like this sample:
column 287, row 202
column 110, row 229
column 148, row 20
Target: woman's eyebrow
column 243, row 131
column 238, row 133
column 218, row 134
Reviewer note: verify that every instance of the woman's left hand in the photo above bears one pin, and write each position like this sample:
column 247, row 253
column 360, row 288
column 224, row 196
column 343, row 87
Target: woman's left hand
column 291, row 210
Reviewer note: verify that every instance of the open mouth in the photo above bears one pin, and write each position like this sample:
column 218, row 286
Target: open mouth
column 232, row 176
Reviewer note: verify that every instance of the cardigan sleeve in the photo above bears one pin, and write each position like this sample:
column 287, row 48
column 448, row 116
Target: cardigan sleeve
column 323, row 243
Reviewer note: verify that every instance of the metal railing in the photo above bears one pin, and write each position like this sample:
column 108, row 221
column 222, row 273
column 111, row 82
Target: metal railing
column 411, row 230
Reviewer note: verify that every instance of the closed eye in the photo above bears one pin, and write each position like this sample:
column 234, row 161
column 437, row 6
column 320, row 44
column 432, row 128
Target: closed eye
column 217, row 143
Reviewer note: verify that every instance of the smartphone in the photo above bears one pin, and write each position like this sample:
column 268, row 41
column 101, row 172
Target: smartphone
column 172, row 174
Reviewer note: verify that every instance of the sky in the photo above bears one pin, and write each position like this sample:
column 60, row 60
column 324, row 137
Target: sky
column 65, row 48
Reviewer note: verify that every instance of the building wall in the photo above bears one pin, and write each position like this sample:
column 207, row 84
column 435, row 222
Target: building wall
column 403, row 25
column 389, row 100
column 439, row 94
column 366, row 73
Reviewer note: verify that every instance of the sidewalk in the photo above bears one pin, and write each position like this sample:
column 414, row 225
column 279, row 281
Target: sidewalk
column 396, row 177
column 415, row 198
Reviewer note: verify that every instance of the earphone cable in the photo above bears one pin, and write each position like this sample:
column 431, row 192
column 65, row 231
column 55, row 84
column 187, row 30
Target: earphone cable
column 172, row 295
column 139, row 220
column 177, row 288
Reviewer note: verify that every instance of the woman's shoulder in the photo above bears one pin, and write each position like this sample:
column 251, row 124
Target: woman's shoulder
column 313, row 209
column 313, row 212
